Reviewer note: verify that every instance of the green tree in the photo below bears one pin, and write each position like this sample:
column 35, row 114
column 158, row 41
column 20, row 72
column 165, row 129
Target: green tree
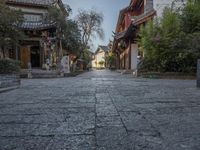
column 67, row 29
column 90, row 25
column 10, row 20
column 110, row 60
column 190, row 16
column 101, row 63
column 85, row 56
column 72, row 37
column 171, row 43
column 59, row 17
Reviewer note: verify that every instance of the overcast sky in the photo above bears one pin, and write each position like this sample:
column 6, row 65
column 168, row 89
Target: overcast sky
column 110, row 10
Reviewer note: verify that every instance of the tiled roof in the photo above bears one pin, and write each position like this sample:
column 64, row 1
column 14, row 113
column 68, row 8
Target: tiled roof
column 38, row 3
column 33, row 2
column 120, row 35
column 128, row 33
column 36, row 25
column 105, row 48
column 136, row 20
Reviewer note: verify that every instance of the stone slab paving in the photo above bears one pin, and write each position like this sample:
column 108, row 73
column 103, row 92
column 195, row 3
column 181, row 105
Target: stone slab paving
column 101, row 110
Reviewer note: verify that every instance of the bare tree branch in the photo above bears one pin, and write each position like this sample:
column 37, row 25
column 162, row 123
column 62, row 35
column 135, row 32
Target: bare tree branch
column 90, row 24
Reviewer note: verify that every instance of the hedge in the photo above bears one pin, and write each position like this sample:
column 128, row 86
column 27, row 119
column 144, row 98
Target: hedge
column 9, row 66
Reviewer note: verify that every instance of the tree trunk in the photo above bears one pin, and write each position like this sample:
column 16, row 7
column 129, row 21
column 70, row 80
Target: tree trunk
column 61, row 49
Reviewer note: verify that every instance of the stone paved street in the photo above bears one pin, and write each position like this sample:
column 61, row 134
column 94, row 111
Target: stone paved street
column 101, row 110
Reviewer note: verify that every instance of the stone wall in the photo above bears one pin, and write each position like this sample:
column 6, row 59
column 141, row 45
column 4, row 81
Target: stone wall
column 198, row 73
column 9, row 81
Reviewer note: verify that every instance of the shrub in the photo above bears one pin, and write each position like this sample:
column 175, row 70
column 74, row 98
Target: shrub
column 101, row 63
column 9, row 66
column 171, row 43
column 110, row 60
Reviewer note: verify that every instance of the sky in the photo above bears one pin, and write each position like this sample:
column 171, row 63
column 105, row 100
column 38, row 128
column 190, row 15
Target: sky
column 110, row 10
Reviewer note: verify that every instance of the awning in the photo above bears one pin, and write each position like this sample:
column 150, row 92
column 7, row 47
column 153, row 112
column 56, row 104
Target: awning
column 128, row 33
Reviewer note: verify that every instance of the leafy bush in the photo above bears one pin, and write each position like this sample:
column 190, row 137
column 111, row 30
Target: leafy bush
column 111, row 59
column 9, row 66
column 101, row 63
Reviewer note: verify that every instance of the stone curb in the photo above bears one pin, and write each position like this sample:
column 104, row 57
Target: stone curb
column 8, row 89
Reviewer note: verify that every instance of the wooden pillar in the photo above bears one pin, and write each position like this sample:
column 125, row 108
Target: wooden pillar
column 124, row 57
column 129, row 54
column 117, row 63
column 16, row 52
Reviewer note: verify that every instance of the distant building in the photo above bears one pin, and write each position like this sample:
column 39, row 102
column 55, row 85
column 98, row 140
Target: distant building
column 42, row 43
column 99, row 60
column 138, row 13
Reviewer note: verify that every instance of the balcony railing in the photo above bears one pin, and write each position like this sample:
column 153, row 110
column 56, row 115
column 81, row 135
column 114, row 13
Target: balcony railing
column 137, row 19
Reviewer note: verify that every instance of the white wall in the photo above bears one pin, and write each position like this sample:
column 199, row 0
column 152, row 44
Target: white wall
column 159, row 5
column 100, row 56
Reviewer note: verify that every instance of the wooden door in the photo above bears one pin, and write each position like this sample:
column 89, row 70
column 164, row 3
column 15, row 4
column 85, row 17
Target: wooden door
column 25, row 56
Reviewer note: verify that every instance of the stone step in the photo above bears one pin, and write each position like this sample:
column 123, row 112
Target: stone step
column 45, row 74
column 41, row 74
column 125, row 71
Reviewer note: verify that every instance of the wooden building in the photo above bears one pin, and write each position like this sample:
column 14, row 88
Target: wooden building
column 125, row 39
column 138, row 13
column 41, row 44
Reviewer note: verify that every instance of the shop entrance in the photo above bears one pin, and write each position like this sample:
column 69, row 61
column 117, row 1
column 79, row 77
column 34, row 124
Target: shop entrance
column 35, row 56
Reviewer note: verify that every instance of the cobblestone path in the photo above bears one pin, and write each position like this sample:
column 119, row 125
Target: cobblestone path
column 101, row 110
